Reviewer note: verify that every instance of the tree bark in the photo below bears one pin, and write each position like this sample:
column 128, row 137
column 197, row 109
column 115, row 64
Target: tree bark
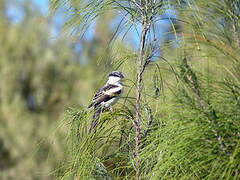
column 141, row 61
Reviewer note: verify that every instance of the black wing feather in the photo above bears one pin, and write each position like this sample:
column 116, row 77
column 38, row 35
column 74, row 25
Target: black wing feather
column 100, row 96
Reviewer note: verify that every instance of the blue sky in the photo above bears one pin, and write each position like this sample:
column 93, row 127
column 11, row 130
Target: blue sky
column 16, row 15
column 132, row 38
column 43, row 4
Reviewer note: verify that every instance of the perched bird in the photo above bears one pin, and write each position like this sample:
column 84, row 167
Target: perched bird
column 108, row 95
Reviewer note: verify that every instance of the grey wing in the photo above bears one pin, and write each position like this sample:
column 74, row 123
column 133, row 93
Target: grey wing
column 102, row 96
column 100, row 92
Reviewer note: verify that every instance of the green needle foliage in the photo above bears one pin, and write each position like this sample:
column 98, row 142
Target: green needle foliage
column 91, row 154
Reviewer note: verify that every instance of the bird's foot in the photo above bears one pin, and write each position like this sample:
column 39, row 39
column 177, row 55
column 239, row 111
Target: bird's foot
column 111, row 109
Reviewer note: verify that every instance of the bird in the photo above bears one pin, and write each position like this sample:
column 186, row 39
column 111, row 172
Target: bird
column 107, row 96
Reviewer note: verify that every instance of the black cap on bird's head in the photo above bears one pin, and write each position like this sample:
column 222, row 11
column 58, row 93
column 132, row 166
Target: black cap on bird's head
column 116, row 74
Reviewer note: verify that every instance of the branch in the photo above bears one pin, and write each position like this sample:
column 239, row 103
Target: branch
column 141, row 65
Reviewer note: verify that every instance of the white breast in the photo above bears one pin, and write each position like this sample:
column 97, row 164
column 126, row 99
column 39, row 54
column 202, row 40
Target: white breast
column 110, row 102
column 113, row 90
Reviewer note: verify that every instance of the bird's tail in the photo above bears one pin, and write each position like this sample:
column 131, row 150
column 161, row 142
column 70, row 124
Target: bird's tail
column 95, row 118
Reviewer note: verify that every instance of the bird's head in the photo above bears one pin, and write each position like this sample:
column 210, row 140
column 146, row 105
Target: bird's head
column 115, row 77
